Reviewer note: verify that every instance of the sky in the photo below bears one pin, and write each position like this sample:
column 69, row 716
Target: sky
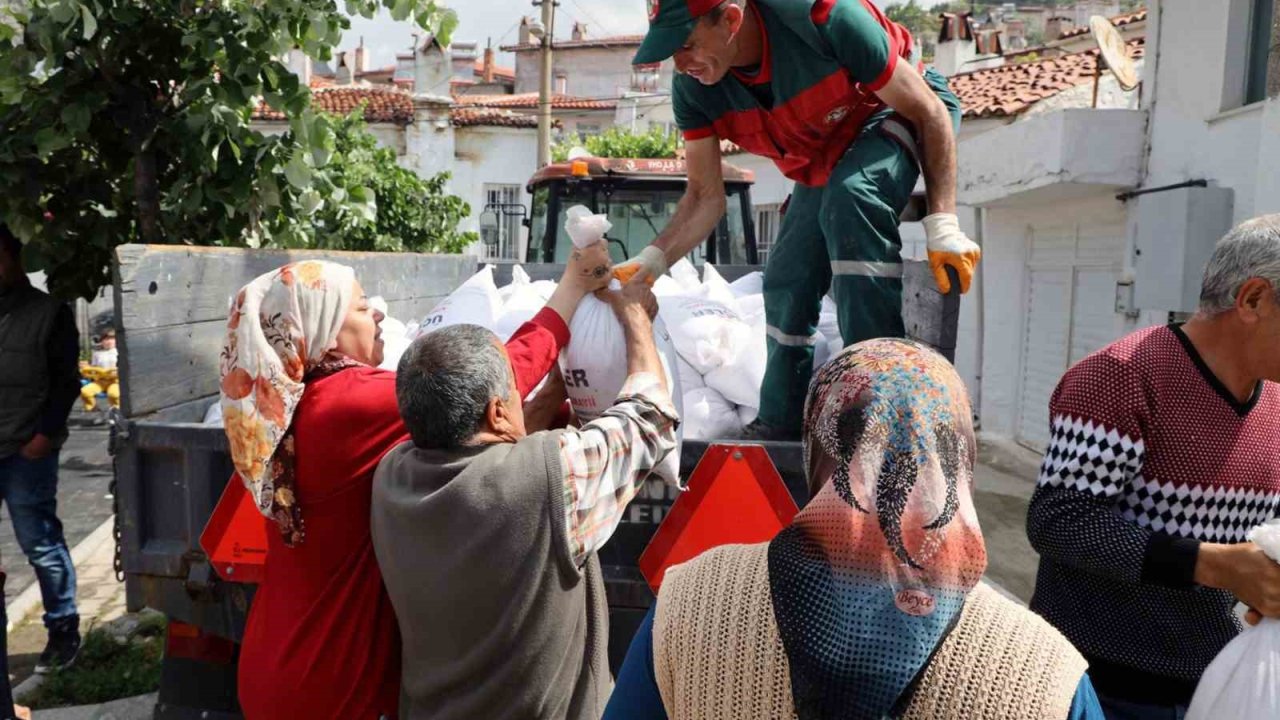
column 497, row 20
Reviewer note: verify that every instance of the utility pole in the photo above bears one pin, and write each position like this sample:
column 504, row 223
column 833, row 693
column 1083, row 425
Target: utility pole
column 544, row 87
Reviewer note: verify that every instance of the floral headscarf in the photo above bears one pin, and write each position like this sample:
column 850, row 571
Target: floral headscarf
column 283, row 328
column 870, row 577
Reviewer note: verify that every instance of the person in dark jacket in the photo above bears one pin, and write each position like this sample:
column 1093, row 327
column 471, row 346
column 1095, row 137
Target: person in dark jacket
column 39, row 351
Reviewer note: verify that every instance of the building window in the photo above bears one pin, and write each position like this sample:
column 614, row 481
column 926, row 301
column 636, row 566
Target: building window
column 500, row 222
column 768, row 218
column 1264, row 51
column 646, row 78
column 586, row 130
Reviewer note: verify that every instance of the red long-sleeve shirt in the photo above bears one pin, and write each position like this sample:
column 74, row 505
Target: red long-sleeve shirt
column 321, row 640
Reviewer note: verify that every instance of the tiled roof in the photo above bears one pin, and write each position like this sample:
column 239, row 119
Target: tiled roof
column 600, row 42
column 491, row 117
column 1118, row 21
column 529, row 101
column 381, row 105
column 1010, row 89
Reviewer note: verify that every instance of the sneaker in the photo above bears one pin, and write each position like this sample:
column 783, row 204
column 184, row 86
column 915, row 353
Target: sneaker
column 759, row 431
column 60, row 652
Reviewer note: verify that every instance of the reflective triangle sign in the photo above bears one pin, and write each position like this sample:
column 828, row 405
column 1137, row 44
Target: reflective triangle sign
column 735, row 495
column 235, row 538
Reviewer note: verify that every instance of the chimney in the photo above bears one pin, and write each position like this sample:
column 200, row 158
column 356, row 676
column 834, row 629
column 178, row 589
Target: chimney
column 1055, row 26
column 956, row 44
column 362, row 58
column 300, row 64
column 524, row 38
column 432, row 69
column 342, row 74
column 579, row 31
column 488, row 66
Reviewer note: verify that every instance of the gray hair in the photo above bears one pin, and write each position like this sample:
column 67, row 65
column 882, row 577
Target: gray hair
column 445, row 382
column 1250, row 250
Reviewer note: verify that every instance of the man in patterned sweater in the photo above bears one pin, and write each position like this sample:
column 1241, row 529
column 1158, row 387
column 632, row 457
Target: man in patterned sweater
column 1163, row 456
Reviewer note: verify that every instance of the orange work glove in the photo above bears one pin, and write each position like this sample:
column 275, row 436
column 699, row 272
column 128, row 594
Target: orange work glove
column 948, row 246
column 652, row 260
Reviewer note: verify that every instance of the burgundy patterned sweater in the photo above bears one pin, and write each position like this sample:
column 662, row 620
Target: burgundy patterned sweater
column 1149, row 456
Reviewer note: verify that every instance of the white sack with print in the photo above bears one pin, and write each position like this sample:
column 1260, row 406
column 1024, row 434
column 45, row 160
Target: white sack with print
column 707, row 334
column 523, row 300
column 1243, row 682
column 595, row 362
column 475, row 302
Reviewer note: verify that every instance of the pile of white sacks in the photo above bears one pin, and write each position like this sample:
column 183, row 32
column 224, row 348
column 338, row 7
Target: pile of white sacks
column 717, row 330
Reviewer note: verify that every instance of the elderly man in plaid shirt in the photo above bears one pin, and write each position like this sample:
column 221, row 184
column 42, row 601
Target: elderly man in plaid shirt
column 487, row 536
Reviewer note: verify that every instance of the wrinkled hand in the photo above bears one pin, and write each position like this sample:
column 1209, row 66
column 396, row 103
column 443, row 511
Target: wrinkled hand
column 949, row 247
column 588, row 268
column 1245, row 571
column 37, row 448
column 634, row 303
column 21, row 712
column 648, row 266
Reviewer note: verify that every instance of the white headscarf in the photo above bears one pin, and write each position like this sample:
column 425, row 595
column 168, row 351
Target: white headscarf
column 282, row 325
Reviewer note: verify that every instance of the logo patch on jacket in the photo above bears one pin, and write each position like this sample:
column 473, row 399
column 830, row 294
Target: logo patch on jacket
column 837, row 115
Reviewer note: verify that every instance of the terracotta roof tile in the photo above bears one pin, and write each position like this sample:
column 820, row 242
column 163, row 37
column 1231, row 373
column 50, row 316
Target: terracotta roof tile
column 381, row 105
column 1118, row 21
column 600, row 42
column 491, row 117
column 1011, row 89
column 528, row 101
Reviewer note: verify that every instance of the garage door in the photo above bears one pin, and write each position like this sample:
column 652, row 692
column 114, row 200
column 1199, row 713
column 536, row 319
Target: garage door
column 1072, row 273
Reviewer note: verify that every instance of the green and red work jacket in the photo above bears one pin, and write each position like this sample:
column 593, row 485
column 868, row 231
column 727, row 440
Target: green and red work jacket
column 815, row 88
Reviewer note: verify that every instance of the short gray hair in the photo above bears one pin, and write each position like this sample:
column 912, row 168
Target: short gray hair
column 1250, row 250
column 445, row 382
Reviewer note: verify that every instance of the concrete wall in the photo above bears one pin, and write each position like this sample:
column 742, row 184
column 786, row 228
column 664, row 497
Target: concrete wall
column 771, row 186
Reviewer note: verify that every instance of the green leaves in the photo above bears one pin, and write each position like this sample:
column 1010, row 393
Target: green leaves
column 617, row 142
column 123, row 115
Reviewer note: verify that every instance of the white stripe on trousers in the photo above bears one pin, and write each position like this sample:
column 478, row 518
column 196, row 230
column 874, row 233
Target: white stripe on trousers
column 866, row 268
column 791, row 340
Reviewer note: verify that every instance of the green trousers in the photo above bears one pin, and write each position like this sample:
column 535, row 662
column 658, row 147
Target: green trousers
column 844, row 238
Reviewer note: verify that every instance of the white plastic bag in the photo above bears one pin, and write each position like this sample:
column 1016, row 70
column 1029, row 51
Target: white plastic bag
column 751, row 306
column 749, row 284
column 714, row 287
column 475, row 302
column 1243, row 682
column 709, row 416
column 739, row 380
column 747, row 415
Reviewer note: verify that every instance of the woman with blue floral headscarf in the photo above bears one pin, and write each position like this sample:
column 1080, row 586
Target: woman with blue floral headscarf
column 869, row 605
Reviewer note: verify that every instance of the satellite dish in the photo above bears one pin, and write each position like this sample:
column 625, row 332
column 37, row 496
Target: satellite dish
column 1114, row 52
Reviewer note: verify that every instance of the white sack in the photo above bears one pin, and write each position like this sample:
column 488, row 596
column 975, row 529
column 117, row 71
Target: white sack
column 685, row 275
column 475, row 302
column 747, row 415
column 666, row 286
column 1243, row 681
column 714, row 287
column 395, row 335
column 213, row 416
column 524, row 300
column 595, row 367
column 739, row 380
column 690, row 378
column 706, row 333
column 751, row 307
column 749, row 284
column 708, row 416
column 821, row 352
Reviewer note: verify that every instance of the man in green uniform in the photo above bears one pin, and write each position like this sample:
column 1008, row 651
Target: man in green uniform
column 828, row 91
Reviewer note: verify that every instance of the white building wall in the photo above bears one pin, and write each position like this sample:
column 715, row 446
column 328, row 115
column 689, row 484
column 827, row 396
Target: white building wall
column 1198, row 128
column 591, row 72
column 492, row 155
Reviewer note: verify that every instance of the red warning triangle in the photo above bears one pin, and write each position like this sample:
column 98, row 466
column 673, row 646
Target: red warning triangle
column 735, row 495
column 235, row 538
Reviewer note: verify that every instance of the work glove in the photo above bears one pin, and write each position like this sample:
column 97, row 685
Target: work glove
column 948, row 246
column 651, row 259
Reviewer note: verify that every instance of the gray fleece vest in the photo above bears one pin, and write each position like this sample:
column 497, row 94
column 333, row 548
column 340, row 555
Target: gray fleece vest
column 26, row 322
column 496, row 619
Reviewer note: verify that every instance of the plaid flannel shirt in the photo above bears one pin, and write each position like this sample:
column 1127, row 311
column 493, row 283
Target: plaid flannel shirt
column 607, row 460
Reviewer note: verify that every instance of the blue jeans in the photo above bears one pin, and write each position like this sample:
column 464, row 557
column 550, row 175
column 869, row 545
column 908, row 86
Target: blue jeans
column 30, row 489
column 1124, row 710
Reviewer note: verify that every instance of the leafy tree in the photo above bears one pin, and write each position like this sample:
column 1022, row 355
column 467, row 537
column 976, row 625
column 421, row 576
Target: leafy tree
column 412, row 214
column 129, row 120
column 923, row 23
column 619, row 142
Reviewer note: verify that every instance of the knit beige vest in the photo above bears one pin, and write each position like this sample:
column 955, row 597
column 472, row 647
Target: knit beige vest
column 717, row 653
